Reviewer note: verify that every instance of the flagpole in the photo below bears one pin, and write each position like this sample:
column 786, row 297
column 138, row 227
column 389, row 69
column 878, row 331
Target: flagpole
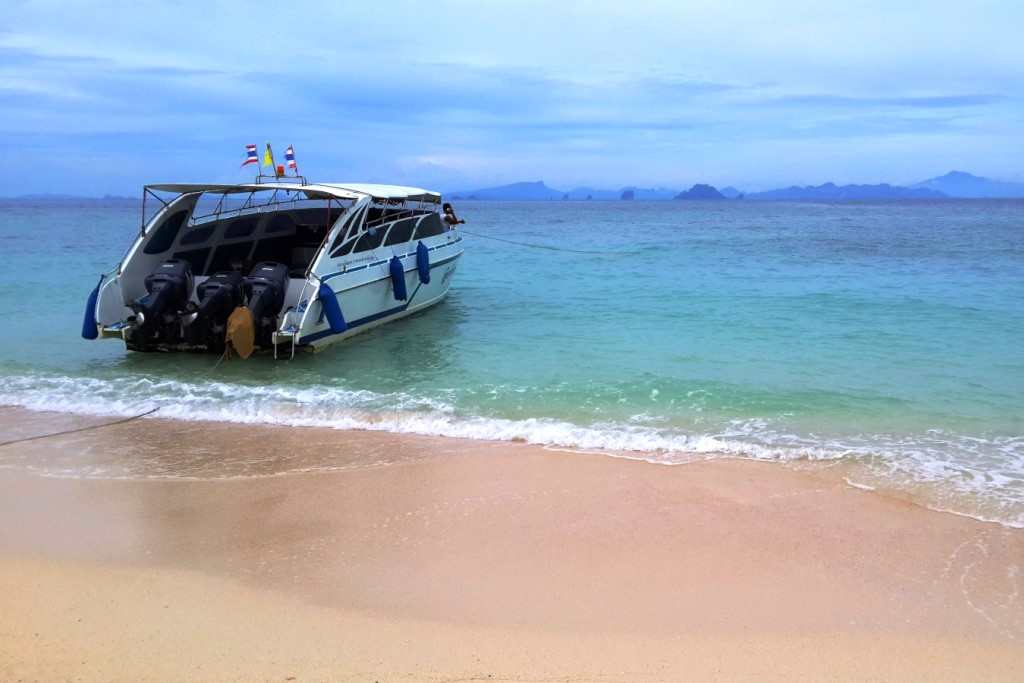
column 273, row 164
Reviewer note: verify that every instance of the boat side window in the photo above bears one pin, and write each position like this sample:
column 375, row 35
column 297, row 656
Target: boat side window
column 241, row 227
column 339, row 250
column 198, row 235
column 165, row 235
column 370, row 239
column 276, row 249
column 430, row 226
column 196, row 258
column 351, row 228
column 227, row 256
column 281, row 222
column 401, row 231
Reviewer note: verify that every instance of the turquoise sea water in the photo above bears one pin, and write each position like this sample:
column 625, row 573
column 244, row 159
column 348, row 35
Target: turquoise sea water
column 887, row 337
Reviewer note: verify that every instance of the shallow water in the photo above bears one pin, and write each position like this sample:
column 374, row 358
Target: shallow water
column 884, row 337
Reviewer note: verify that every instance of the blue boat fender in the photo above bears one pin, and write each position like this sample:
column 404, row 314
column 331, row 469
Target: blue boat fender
column 331, row 308
column 423, row 263
column 398, row 278
column 90, row 329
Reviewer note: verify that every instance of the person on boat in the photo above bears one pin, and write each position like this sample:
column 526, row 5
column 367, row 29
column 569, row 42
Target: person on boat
column 449, row 215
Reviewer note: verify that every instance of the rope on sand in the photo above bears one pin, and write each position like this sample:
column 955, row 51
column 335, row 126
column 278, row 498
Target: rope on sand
column 79, row 429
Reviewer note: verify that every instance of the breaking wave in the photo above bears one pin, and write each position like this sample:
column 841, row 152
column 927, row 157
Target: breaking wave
column 935, row 458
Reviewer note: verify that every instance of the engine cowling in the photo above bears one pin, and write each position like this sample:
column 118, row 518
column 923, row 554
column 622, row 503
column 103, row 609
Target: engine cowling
column 218, row 295
column 158, row 313
column 264, row 290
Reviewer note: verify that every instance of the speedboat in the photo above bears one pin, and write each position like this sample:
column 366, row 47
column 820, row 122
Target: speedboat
column 279, row 265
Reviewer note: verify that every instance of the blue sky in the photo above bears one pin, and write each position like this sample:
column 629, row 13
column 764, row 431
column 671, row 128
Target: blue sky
column 101, row 97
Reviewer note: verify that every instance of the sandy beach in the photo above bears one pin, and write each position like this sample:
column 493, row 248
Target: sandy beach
column 440, row 559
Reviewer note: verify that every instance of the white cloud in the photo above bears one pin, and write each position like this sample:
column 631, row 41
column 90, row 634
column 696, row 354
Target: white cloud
column 602, row 93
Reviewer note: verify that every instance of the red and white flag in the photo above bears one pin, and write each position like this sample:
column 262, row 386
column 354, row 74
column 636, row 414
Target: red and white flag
column 250, row 156
column 289, row 155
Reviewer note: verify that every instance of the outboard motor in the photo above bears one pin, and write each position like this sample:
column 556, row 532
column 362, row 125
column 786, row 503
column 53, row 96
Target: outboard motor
column 218, row 296
column 158, row 314
column 264, row 291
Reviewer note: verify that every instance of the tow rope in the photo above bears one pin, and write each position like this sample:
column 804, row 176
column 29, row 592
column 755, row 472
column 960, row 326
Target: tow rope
column 79, row 429
column 540, row 246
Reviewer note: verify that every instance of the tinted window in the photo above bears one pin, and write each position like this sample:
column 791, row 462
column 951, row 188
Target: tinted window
column 227, row 254
column 430, row 226
column 241, row 227
column 164, row 236
column 197, row 236
column 318, row 217
column 401, row 231
column 349, row 229
column 341, row 251
column 275, row 249
column 282, row 222
column 196, row 258
column 370, row 239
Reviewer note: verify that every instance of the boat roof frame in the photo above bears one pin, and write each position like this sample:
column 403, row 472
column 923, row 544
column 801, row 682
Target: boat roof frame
column 345, row 191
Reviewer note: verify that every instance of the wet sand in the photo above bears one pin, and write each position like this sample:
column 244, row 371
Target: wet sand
column 439, row 559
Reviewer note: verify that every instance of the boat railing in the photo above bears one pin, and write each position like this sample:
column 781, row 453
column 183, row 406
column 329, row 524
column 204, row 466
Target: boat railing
column 296, row 179
column 248, row 207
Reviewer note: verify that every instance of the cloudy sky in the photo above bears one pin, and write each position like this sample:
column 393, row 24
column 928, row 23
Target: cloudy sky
column 101, row 97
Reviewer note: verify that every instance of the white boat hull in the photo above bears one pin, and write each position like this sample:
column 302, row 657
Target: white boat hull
column 367, row 296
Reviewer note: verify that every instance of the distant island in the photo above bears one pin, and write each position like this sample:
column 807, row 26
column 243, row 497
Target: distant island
column 845, row 193
column 701, row 192
column 68, row 200
column 960, row 184
column 525, row 191
column 538, row 191
column 955, row 184
column 952, row 185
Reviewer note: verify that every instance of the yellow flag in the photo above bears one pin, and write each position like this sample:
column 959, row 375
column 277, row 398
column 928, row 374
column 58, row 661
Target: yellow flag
column 268, row 157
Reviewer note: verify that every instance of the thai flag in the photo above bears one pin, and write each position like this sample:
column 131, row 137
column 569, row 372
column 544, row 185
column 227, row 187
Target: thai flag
column 250, row 156
column 289, row 154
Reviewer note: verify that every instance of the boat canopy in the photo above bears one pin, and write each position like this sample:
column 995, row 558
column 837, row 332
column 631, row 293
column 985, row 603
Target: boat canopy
column 312, row 190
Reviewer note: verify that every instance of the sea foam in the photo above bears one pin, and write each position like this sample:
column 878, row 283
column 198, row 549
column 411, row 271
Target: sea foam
column 935, row 458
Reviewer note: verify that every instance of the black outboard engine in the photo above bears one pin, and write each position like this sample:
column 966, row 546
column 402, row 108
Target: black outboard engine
column 218, row 296
column 264, row 291
column 158, row 314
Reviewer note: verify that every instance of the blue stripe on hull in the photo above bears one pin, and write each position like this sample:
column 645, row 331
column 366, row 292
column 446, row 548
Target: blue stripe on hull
column 316, row 336
column 366, row 266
